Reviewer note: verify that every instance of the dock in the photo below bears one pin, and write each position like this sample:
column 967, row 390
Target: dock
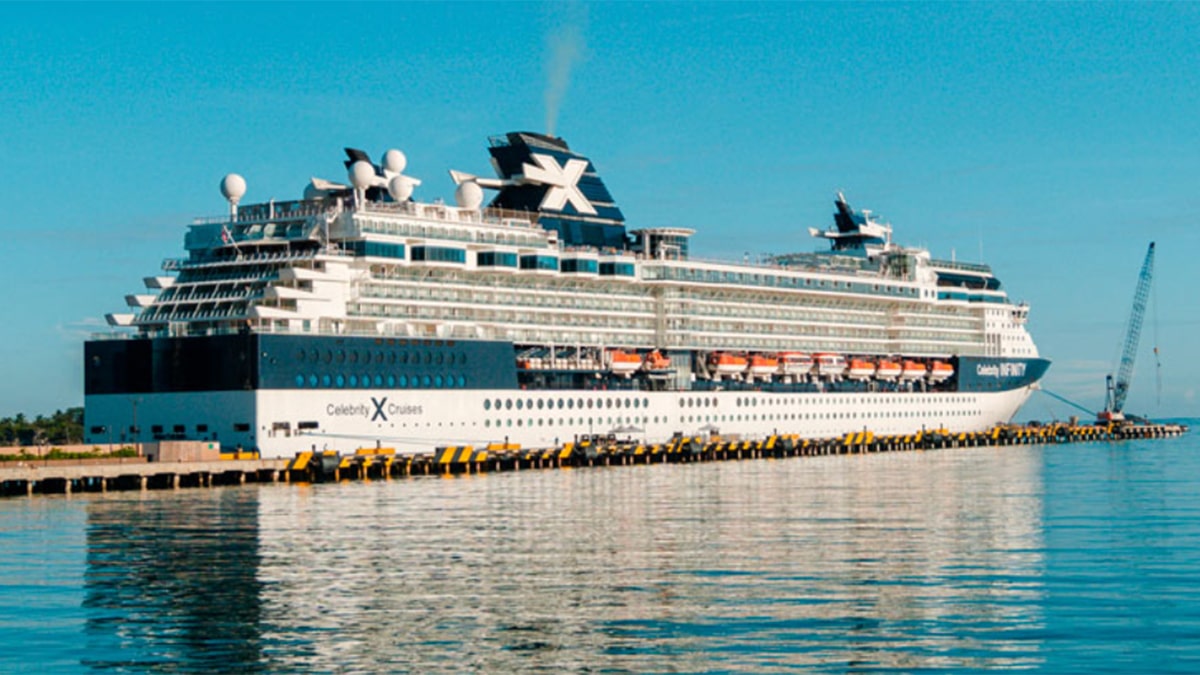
column 28, row 479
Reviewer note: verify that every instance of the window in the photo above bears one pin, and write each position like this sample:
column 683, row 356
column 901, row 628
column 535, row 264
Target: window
column 539, row 262
column 496, row 259
column 438, row 254
column 579, row 265
column 376, row 248
column 617, row 269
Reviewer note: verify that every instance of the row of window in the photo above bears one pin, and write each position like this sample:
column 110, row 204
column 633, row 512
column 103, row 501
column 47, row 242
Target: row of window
column 366, row 356
column 569, row 403
column 690, row 402
column 390, row 380
column 769, row 417
column 492, row 258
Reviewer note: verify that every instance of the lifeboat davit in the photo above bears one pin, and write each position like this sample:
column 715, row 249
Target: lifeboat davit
column 727, row 364
column 888, row 371
column 656, row 361
column 795, row 364
column 623, row 363
column 940, row 371
column 860, row 369
column 913, row 370
column 763, row 366
column 832, row 366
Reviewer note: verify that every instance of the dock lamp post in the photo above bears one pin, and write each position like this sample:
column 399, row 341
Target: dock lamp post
column 133, row 429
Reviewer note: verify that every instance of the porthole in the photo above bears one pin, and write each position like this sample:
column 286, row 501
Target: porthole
column 570, row 404
column 341, row 356
column 353, row 356
column 378, row 357
column 425, row 381
column 378, row 380
column 300, row 355
column 326, row 381
column 541, row 404
column 437, row 381
column 299, row 380
column 314, row 355
column 403, row 380
column 328, row 356
column 312, row 380
column 391, row 381
column 340, row 380
column 353, row 381
column 487, row 404
column 508, row 404
column 520, row 404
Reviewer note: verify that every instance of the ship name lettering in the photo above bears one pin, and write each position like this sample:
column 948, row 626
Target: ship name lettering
column 404, row 409
column 999, row 370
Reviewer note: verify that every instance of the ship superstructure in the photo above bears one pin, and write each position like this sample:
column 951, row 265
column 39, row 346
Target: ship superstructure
column 359, row 315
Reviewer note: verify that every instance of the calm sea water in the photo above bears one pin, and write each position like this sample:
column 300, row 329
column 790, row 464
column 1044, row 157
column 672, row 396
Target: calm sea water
column 1061, row 559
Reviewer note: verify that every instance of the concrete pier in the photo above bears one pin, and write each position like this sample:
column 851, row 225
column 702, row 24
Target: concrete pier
column 384, row 463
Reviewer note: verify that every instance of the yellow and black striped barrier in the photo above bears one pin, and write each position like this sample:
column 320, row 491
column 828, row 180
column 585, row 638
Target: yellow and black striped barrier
column 371, row 463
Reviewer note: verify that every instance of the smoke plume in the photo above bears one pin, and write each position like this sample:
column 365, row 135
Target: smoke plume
column 566, row 47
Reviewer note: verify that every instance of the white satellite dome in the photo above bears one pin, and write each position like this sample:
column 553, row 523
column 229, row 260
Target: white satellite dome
column 394, row 162
column 233, row 187
column 400, row 188
column 362, row 175
column 469, row 195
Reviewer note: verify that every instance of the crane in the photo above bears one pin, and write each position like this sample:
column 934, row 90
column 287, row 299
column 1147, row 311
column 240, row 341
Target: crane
column 1117, row 389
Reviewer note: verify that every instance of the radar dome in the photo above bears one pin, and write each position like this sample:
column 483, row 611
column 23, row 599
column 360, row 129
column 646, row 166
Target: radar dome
column 394, row 161
column 400, row 188
column 233, row 187
column 362, row 175
column 469, row 195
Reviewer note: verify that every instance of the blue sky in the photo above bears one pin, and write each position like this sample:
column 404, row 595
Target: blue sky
column 1059, row 139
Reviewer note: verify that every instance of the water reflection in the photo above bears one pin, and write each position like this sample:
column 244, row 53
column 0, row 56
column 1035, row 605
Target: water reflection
column 893, row 562
column 171, row 582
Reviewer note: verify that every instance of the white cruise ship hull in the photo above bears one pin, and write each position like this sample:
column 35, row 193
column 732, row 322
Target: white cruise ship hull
column 420, row 421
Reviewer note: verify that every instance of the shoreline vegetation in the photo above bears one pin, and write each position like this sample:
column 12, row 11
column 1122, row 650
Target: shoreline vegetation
column 64, row 427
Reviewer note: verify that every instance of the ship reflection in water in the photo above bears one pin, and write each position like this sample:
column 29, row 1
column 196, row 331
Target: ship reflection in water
column 892, row 562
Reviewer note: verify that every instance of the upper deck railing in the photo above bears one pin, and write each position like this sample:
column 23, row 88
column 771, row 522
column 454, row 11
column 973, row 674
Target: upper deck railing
column 964, row 266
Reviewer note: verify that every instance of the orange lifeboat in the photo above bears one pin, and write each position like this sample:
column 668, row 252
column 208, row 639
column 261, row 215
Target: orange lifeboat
column 888, row 371
column 860, row 369
column 794, row 364
column 763, row 366
column 832, row 366
column 656, row 361
column 727, row 364
column 623, row 363
column 940, row 371
column 913, row 370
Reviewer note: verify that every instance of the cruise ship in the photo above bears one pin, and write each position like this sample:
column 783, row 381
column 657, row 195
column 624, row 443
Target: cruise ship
column 361, row 316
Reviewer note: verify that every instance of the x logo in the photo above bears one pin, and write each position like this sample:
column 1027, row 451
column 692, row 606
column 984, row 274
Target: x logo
column 563, row 183
column 379, row 409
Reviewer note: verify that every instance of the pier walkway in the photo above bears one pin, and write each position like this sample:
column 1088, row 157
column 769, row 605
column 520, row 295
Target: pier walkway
column 29, row 479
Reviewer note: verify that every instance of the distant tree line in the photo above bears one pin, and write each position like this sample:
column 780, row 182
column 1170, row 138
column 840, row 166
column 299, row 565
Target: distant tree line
column 64, row 427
